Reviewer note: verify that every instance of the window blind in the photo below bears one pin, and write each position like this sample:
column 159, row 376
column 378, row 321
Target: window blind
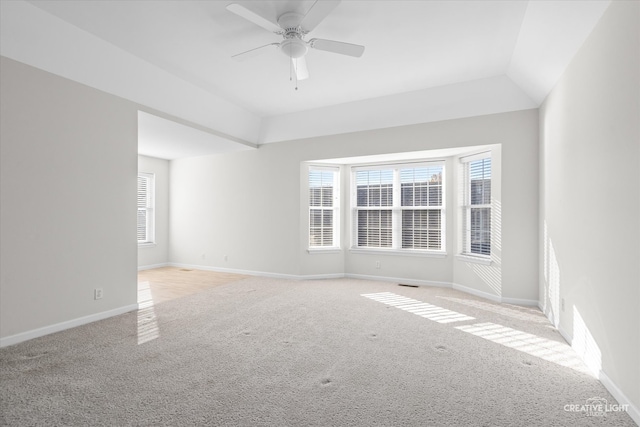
column 145, row 230
column 421, row 201
column 323, row 204
column 374, row 195
column 477, row 208
column 398, row 206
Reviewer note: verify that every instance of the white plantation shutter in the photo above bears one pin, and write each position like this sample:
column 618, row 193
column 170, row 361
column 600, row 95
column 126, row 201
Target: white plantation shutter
column 398, row 206
column 145, row 208
column 323, row 207
column 477, row 206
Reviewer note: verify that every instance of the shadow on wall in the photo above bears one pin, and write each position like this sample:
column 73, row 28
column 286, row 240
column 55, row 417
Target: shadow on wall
column 581, row 338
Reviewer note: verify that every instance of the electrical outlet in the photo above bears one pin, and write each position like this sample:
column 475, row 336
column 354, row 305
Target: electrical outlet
column 562, row 304
column 97, row 293
column 377, row 264
column 226, row 258
column 204, row 256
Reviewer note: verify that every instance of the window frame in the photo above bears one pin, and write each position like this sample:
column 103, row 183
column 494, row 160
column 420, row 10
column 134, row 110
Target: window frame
column 467, row 207
column 335, row 208
column 397, row 209
column 149, row 208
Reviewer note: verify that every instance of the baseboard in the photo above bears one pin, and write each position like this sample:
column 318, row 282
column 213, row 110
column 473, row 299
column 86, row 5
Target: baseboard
column 416, row 282
column 622, row 399
column 236, row 271
column 35, row 333
column 322, row 276
column 567, row 336
column 149, row 267
column 495, row 298
column 481, row 294
column 520, row 301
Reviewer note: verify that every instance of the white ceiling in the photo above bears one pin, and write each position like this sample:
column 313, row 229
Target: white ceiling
column 424, row 60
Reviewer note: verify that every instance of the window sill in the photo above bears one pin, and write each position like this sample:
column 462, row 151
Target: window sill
column 399, row 252
column 147, row 245
column 474, row 259
column 330, row 250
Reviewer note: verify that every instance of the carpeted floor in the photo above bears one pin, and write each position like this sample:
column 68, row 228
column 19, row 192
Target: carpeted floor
column 269, row 352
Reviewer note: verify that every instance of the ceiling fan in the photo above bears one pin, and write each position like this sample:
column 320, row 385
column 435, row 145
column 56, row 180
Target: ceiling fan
column 293, row 27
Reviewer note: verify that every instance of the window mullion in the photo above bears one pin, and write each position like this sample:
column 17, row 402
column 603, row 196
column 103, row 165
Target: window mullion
column 467, row 208
column 396, row 236
column 467, row 229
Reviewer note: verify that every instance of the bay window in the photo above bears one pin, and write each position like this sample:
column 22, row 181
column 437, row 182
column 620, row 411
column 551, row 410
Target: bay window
column 399, row 207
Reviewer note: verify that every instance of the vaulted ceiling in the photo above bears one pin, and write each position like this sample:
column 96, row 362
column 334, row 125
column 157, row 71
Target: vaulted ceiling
column 424, row 60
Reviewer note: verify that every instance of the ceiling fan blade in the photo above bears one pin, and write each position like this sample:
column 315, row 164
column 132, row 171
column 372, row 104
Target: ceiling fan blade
column 300, row 66
column 254, row 52
column 319, row 10
column 337, row 47
column 260, row 21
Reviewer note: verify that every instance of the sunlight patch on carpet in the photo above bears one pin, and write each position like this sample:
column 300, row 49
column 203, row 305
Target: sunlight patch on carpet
column 501, row 309
column 549, row 350
column 422, row 309
column 147, row 321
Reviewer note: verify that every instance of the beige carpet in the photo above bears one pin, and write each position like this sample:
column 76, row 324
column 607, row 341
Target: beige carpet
column 267, row 352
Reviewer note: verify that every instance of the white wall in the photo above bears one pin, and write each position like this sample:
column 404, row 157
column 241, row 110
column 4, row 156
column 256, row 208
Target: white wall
column 150, row 256
column 247, row 205
column 240, row 205
column 590, row 201
column 68, row 194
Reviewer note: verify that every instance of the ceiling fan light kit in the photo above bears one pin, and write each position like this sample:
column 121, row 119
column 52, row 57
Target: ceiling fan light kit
column 294, row 48
column 293, row 27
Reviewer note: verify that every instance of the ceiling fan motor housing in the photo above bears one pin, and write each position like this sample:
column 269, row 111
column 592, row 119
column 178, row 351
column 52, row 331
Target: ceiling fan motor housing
column 293, row 46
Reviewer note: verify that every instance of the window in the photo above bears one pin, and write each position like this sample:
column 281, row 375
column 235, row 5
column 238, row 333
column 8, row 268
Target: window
column 374, row 220
column 324, row 202
column 477, row 205
column 146, row 191
column 399, row 207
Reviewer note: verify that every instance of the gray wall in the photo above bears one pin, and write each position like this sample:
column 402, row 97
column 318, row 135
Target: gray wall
column 590, row 200
column 249, row 205
column 68, row 192
column 150, row 256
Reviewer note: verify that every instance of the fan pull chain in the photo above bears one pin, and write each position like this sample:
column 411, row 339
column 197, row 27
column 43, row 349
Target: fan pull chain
column 291, row 72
